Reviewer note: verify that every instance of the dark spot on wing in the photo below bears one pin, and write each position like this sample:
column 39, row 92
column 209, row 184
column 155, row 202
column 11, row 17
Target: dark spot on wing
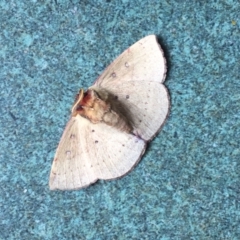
column 72, row 136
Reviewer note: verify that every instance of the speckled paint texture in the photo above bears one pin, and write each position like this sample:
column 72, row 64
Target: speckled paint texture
column 187, row 184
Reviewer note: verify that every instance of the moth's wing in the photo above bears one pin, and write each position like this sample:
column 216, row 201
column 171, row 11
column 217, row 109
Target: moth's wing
column 144, row 60
column 146, row 105
column 114, row 153
column 88, row 152
column 70, row 168
column 136, row 78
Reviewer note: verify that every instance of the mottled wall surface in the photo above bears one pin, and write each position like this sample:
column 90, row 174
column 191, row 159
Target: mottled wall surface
column 187, row 184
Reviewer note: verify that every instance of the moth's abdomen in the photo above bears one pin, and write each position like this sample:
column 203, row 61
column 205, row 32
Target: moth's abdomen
column 115, row 120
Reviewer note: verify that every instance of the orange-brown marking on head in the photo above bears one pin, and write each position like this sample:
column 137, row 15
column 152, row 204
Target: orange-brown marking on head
column 90, row 106
column 88, row 98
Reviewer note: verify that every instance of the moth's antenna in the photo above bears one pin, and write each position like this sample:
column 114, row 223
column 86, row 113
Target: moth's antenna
column 80, row 97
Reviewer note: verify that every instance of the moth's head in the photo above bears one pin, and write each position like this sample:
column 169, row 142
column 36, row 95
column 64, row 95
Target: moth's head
column 83, row 100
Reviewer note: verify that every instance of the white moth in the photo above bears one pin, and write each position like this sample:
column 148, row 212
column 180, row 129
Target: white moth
column 114, row 119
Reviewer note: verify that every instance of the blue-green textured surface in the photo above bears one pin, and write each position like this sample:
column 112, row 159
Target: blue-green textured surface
column 187, row 184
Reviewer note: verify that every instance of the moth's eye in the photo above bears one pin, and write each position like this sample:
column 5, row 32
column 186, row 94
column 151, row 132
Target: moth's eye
column 113, row 75
column 79, row 108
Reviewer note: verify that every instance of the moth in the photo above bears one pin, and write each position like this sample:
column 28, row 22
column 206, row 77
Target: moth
column 112, row 122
